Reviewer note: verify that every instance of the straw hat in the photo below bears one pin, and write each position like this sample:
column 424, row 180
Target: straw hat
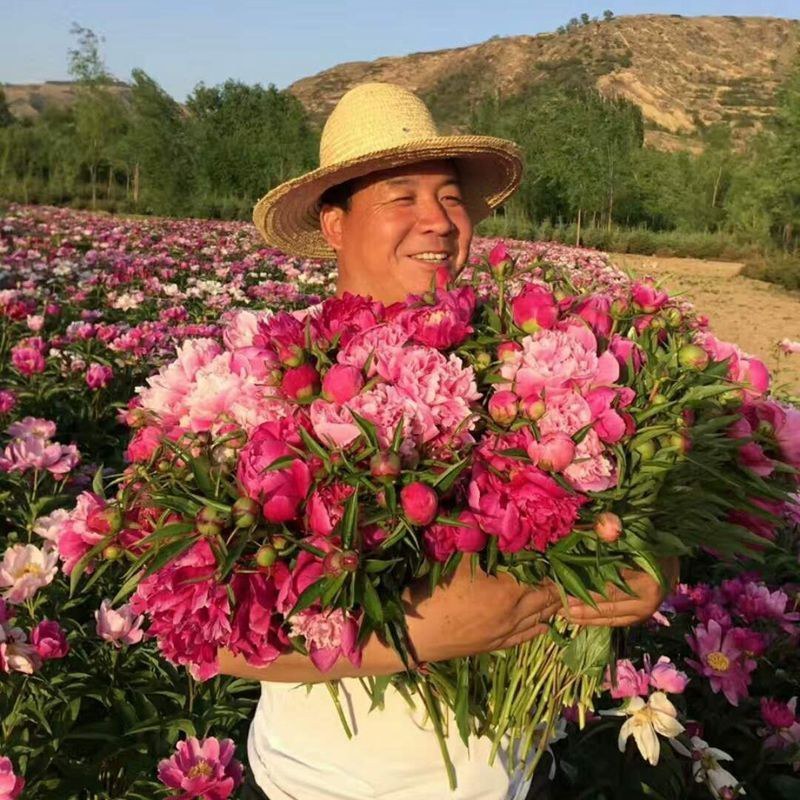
column 376, row 126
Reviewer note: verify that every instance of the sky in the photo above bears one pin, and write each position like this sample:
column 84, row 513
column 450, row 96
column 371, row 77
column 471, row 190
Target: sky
column 181, row 43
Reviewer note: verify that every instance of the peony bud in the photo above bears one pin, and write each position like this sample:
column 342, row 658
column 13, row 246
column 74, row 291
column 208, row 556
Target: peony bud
column 483, row 360
column 533, row 407
column 499, row 260
column 290, row 355
column 608, row 526
column 266, row 556
column 385, row 466
column 692, row 356
column 112, row 552
column 534, row 308
column 507, row 351
column 105, row 520
column 245, row 512
column 419, row 502
column 210, row 521
column 554, row 453
column 300, row 383
column 645, row 449
column 341, row 383
column 503, row 407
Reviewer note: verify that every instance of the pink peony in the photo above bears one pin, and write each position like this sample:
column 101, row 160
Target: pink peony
column 420, row 503
column 240, row 326
column 559, row 359
column 596, row 311
column 442, row 324
column 630, row 682
column 189, row 610
column 527, row 510
column 325, row 508
column 503, row 407
column 256, row 631
column 742, row 368
column 16, row 653
column 11, row 784
column 666, row 677
column 286, row 335
column 49, row 527
column 554, row 452
column 727, row 669
column 39, row 454
column 627, row 352
column 300, row 383
column 49, row 639
column 499, row 257
column 118, row 626
column 441, row 540
column 280, row 491
column 534, row 308
column 98, row 376
column 345, row 317
column 28, row 360
column 25, row 569
column 75, row 537
column 647, row 297
column 341, row 383
column 144, row 444
column 783, row 723
column 363, row 347
column 204, row 769
column 8, row 401
column 329, row 634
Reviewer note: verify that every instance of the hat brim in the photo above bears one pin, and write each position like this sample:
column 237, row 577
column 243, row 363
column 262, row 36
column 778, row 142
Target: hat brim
column 490, row 170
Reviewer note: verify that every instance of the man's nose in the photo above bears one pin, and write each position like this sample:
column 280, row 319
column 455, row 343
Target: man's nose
column 433, row 217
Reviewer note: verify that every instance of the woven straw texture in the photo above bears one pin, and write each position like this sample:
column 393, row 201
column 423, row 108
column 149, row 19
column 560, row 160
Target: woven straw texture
column 376, row 126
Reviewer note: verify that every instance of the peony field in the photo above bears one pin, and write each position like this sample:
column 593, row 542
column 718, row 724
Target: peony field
column 107, row 323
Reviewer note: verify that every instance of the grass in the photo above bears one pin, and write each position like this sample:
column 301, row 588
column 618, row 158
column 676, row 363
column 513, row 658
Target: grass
column 780, row 268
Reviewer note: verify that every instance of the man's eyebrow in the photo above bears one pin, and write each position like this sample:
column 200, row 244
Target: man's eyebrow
column 402, row 180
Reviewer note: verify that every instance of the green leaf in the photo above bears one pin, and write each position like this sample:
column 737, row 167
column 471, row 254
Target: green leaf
column 372, row 603
column 309, row 595
column 571, row 582
column 97, row 482
column 349, row 520
column 201, row 469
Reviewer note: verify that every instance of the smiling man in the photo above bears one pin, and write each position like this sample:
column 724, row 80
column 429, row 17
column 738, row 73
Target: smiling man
column 393, row 202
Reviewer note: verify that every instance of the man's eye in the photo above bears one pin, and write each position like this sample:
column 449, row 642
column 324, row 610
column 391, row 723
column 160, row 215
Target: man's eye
column 453, row 198
column 406, row 198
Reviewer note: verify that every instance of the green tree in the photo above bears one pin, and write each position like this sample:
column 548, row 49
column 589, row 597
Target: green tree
column 100, row 116
column 248, row 139
column 6, row 117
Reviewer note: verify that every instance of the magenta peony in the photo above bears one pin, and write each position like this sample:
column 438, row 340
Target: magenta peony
column 202, row 769
column 11, row 784
column 534, row 308
column 341, row 383
column 49, row 639
column 98, row 376
column 419, row 502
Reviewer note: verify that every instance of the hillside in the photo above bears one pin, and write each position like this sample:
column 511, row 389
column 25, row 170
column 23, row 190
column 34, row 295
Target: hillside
column 683, row 72
column 28, row 100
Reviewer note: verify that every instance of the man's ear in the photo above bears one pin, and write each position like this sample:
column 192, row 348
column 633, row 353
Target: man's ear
column 331, row 223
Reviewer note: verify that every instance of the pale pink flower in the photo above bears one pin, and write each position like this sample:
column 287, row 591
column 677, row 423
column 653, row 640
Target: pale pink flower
column 40, row 454
column 203, row 769
column 118, row 626
column 787, row 346
column 30, row 427
column 558, row 359
column 240, row 325
column 49, row 526
column 363, row 347
column 666, row 677
column 16, row 653
column 25, row 569
column 630, row 681
column 328, row 634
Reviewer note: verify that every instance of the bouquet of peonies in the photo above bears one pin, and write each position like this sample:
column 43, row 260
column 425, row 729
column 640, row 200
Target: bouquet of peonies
column 287, row 487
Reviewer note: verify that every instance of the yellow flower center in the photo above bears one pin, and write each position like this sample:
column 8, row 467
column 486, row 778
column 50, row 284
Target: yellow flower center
column 718, row 661
column 201, row 768
column 31, row 569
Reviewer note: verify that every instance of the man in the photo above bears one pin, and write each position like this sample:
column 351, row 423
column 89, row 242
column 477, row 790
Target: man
column 394, row 201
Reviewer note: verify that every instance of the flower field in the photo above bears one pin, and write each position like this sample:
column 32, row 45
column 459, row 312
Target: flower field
column 90, row 307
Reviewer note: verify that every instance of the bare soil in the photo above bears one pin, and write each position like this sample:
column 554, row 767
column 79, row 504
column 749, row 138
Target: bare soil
column 754, row 314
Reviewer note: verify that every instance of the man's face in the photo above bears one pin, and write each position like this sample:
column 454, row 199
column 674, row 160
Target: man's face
column 402, row 225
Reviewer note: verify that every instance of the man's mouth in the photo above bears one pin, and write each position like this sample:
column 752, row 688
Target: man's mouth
column 437, row 257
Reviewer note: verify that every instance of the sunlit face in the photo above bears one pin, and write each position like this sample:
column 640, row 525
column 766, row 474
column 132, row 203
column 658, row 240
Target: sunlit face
column 403, row 224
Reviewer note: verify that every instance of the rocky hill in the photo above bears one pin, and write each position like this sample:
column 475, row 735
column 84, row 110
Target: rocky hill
column 28, row 100
column 683, row 72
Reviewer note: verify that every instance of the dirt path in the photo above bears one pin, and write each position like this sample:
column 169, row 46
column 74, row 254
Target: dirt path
column 754, row 314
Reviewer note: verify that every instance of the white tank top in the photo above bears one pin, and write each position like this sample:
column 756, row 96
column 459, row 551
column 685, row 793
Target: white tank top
column 298, row 750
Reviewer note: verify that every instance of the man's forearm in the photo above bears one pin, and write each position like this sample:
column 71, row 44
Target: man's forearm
column 376, row 659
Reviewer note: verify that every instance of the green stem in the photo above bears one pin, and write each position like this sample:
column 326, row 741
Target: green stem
column 433, row 712
column 333, row 690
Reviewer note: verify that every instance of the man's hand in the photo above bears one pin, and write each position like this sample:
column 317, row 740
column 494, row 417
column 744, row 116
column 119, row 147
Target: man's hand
column 619, row 609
